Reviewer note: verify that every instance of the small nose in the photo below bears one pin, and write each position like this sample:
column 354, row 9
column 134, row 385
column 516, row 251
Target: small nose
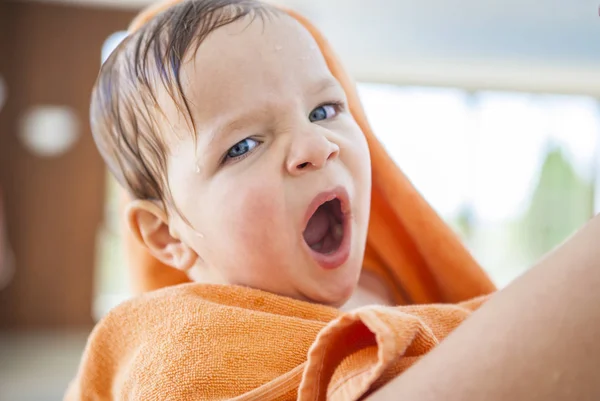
column 310, row 151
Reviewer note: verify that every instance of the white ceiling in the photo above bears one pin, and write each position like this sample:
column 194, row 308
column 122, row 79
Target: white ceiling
column 541, row 45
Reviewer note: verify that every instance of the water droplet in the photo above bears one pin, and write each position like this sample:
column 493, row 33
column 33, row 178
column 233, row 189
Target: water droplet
column 278, row 48
column 197, row 169
column 199, row 234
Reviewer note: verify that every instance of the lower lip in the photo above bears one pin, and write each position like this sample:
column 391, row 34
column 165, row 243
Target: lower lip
column 335, row 259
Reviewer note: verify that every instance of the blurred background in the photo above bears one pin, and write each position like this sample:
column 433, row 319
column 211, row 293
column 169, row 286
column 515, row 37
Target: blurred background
column 490, row 107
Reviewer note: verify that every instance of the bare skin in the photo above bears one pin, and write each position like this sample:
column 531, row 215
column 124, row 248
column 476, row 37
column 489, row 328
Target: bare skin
column 535, row 340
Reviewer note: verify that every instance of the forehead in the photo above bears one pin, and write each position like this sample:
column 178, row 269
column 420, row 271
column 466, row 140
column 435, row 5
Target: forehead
column 251, row 59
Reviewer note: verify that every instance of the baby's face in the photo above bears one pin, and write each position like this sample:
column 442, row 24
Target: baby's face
column 276, row 187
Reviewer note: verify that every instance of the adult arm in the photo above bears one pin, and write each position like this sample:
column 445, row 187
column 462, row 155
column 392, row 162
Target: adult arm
column 538, row 339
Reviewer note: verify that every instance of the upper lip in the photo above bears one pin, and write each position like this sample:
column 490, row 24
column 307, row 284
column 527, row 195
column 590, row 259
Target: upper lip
column 339, row 193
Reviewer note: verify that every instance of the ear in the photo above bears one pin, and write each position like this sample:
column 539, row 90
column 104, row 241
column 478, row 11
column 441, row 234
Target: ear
column 149, row 224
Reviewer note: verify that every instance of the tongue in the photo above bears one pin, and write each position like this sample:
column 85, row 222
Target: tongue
column 317, row 227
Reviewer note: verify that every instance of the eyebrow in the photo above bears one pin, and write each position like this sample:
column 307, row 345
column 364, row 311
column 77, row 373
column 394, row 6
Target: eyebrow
column 325, row 84
column 233, row 124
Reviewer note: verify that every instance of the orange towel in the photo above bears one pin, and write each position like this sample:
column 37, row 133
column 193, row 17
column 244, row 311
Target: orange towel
column 408, row 244
column 208, row 342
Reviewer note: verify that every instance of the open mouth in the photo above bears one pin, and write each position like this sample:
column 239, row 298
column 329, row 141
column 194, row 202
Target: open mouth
column 324, row 231
column 328, row 230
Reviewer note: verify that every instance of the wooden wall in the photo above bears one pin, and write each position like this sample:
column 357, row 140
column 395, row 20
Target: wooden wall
column 50, row 55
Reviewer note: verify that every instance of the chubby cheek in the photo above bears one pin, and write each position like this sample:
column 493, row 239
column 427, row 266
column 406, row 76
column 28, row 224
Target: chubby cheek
column 253, row 226
column 356, row 157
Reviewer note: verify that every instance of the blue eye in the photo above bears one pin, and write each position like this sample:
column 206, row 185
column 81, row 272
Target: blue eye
column 241, row 148
column 324, row 112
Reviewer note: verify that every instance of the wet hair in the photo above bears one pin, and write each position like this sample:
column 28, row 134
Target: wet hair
column 125, row 111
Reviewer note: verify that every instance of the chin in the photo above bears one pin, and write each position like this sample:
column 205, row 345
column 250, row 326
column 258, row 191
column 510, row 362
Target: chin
column 337, row 295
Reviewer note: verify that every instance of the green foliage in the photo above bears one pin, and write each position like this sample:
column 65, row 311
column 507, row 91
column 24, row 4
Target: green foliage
column 561, row 203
